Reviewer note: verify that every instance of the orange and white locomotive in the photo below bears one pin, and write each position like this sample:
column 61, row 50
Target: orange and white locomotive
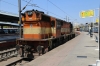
column 44, row 30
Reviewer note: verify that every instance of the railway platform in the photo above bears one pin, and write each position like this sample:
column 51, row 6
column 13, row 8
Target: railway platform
column 79, row 51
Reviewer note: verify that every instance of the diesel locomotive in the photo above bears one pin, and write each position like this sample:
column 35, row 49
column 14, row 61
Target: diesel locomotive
column 45, row 30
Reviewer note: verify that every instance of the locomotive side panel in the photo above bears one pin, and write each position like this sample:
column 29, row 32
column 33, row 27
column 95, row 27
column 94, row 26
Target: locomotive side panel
column 58, row 28
column 45, row 30
column 53, row 27
column 64, row 28
column 68, row 28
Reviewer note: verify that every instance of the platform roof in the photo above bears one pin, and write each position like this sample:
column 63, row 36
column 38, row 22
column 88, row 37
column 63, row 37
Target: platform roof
column 8, row 17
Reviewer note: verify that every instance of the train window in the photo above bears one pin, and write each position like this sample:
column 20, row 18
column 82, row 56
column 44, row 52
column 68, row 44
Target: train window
column 52, row 23
column 6, row 31
column 45, row 18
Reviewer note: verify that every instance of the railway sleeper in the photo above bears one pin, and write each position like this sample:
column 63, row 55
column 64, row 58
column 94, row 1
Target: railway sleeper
column 6, row 54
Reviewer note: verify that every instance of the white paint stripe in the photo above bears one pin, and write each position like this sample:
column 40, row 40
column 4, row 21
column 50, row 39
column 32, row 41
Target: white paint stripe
column 38, row 30
column 65, row 30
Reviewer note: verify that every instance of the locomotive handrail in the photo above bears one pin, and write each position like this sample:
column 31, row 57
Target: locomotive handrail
column 50, row 42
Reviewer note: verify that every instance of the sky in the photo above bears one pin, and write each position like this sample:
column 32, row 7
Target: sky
column 61, row 9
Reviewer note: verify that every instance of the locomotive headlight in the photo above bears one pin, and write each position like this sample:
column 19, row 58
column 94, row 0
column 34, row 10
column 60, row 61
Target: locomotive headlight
column 29, row 13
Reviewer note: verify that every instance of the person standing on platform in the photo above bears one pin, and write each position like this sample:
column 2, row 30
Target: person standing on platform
column 18, row 49
column 43, row 50
column 22, row 48
column 90, row 32
column 26, row 50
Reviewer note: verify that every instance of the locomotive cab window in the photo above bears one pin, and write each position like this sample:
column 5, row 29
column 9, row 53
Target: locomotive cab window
column 58, row 24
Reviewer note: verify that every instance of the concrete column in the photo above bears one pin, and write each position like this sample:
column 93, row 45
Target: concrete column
column 1, row 26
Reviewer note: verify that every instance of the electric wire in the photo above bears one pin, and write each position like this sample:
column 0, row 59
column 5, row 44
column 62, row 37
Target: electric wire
column 34, row 5
column 9, row 3
column 30, row 5
column 59, row 8
column 25, row 6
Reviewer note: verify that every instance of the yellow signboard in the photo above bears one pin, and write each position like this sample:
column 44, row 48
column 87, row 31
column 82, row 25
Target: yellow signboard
column 89, row 13
column 82, row 14
column 97, row 20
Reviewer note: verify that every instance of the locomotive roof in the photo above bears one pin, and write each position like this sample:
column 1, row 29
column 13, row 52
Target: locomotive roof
column 45, row 14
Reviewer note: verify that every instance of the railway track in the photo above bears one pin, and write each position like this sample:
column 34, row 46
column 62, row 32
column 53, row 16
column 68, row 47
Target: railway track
column 8, row 54
column 16, row 61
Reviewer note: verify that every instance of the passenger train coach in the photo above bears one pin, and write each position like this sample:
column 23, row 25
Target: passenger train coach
column 44, row 30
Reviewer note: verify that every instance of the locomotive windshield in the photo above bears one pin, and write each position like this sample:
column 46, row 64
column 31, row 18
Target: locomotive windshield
column 29, row 13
